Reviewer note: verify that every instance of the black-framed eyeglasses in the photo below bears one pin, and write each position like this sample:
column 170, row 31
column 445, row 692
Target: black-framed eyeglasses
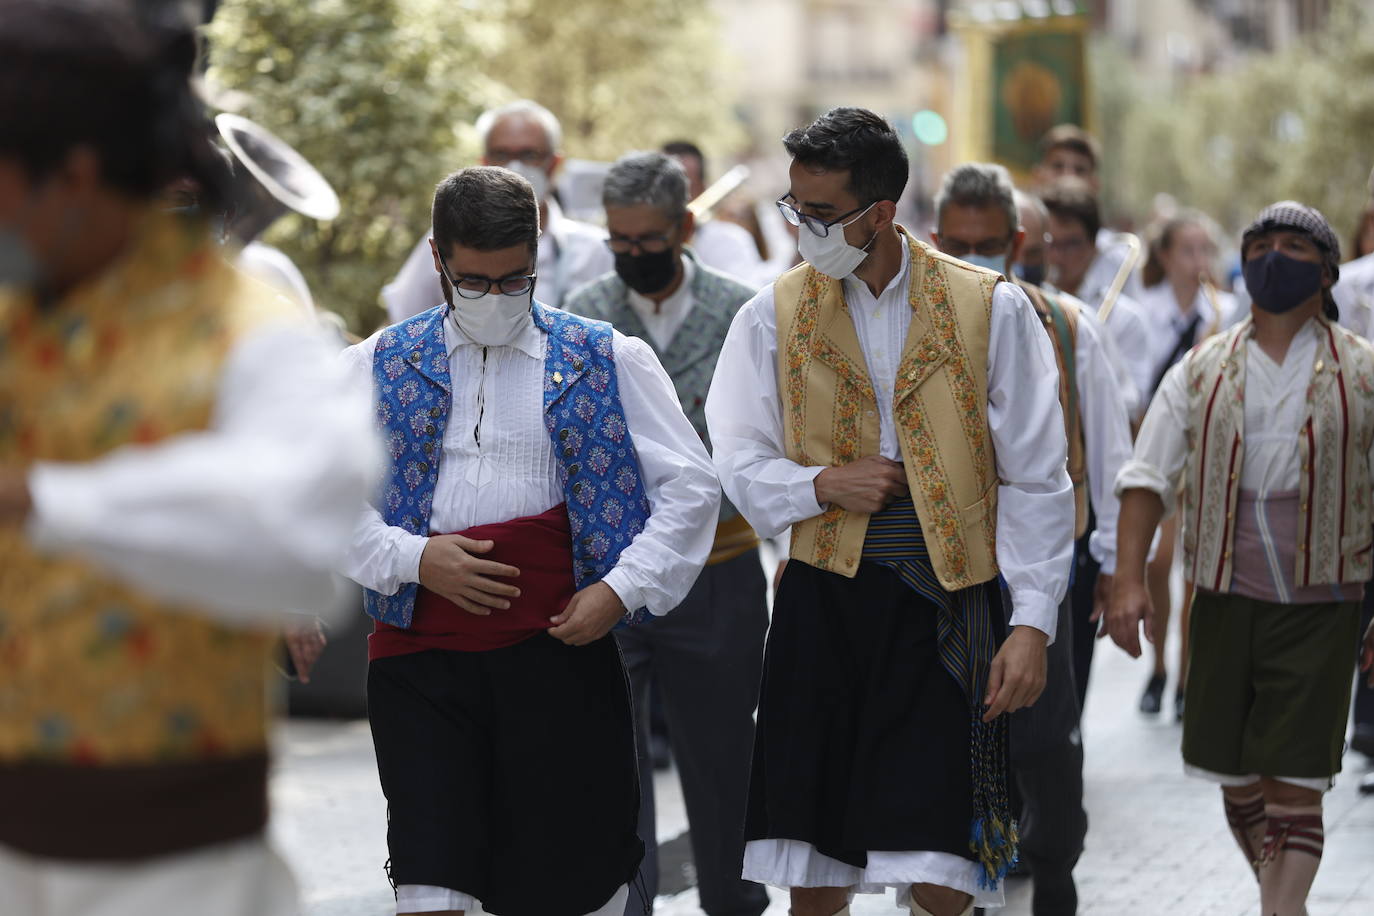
column 819, row 227
column 648, row 244
column 471, row 287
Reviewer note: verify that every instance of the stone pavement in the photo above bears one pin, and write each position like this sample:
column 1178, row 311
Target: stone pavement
column 1157, row 842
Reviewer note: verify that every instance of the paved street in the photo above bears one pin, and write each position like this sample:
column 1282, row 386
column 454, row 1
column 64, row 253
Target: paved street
column 1157, row 844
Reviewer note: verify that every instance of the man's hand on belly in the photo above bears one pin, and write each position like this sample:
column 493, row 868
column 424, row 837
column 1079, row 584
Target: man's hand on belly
column 449, row 568
column 866, row 485
column 590, row 615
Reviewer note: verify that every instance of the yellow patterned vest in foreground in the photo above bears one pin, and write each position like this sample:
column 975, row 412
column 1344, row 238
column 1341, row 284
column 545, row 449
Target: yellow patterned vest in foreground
column 91, row 670
column 830, row 412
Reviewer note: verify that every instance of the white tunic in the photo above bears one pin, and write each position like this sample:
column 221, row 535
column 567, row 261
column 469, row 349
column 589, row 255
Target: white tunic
column 1035, row 514
column 1167, row 321
column 498, row 464
column 571, row 253
column 1129, row 326
column 243, row 519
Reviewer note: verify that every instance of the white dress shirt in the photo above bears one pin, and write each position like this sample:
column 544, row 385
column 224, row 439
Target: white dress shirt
column 1035, row 504
column 729, row 248
column 1128, row 326
column 1106, row 431
column 498, row 464
column 571, row 253
column 244, row 519
column 1275, row 406
column 1354, row 295
column 663, row 319
column 1168, row 321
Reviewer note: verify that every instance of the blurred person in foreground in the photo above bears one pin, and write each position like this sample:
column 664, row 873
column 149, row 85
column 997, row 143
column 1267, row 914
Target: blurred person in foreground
column 544, row 486
column 1072, row 260
column 888, row 402
column 705, row 658
column 179, row 462
column 1276, row 541
column 1180, row 314
column 978, row 221
column 526, row 138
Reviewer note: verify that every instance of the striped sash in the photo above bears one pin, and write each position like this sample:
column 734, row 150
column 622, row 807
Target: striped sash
column 968, row 638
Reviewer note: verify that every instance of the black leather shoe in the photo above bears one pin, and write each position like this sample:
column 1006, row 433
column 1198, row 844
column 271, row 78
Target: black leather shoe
column 1178, row 706
column 1152, row 700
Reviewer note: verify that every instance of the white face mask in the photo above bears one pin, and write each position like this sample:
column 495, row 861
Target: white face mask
column 533, row 174
column 493, row 320
column 997, row 262
column 832, row 255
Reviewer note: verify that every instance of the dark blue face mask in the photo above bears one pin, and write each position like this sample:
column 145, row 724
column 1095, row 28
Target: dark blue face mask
column 1032, row 274
column 1278, row 283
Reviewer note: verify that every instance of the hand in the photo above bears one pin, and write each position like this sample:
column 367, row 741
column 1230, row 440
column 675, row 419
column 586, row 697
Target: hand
column 448, row 568
column 15, row 503
column 1130, row 606
column 304, row 643
column 777, row 576
column 1367, row 653
column 1017, row 675
column 866, row 485
column 1102, row 599
column 590, row 615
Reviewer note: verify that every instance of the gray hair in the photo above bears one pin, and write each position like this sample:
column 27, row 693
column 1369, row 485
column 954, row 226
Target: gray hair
column 978, row 184
column 647, row 178
column 525, row 108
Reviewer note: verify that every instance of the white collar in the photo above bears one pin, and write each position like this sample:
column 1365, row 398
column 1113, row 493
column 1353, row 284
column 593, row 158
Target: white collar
column 899, row 278
column 530, row 341
column 678, row 301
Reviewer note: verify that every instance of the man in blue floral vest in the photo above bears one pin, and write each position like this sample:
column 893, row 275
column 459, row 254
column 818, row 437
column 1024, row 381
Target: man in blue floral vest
column 545, row 486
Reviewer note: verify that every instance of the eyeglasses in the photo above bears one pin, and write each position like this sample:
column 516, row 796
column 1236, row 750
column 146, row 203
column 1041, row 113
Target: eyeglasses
column 471, row 287
column 648, row 244
column 818, row 227
column 989, row 248
column 528, row 155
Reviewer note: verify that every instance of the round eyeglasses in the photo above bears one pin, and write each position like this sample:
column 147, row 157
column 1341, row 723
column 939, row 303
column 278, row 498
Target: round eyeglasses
column 819, row 227
column 470, row 287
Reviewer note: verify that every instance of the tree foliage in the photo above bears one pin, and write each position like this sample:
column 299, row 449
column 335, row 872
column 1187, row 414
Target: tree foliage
column 1296, row 124
column 380, row 96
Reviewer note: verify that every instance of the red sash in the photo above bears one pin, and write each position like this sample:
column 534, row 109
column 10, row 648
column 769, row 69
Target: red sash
column 540, row 546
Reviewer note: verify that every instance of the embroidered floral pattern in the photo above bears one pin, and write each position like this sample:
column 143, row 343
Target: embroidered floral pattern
column 626, row 480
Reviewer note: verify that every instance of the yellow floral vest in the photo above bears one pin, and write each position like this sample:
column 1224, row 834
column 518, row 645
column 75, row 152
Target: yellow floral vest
column 830, row 412
column 91, row 670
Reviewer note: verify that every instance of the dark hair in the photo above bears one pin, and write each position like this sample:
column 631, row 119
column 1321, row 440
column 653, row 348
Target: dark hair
column 857, row 141
column 1072, row 138
column 1160, row 238
column 485, row 208
column 76, row 74
column 686, row 148
column 1072, row 199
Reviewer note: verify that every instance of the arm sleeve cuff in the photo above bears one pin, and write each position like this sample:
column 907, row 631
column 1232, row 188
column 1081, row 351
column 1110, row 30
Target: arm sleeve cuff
column 803, row 493
column 1035, row 609
column 630, row 595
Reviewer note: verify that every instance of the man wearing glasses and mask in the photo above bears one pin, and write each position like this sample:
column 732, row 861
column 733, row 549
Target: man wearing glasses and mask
column 706, row 657
column 526, row 138
column 888, row 403
column 514, row 531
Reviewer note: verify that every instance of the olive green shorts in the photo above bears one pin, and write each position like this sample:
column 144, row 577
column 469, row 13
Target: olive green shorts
column 1268, row 686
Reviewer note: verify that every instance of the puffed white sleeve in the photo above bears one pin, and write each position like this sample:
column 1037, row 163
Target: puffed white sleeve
column 1035, row 509
column 744, row 417
column 245, row 519
column 662, row 563
column 1161, row 449
column 1106, row 431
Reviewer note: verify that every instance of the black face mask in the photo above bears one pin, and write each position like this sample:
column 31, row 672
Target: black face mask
column 646, row 273
column 1278, row 283
column 1032, row 274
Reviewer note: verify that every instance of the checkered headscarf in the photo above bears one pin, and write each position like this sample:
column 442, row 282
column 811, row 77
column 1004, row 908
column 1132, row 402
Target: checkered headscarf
column 1292, row 216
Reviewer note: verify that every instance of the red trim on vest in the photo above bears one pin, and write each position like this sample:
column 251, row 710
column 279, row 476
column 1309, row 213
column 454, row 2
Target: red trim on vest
column 540, row 546
column 1345, row 444
column 1202, row 470
column 1311, row 489
column 1232, row 485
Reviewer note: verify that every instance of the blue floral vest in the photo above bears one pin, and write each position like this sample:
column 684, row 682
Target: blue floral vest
column 597, row 463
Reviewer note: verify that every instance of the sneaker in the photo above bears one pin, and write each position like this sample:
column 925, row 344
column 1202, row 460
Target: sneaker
column 1152, row 700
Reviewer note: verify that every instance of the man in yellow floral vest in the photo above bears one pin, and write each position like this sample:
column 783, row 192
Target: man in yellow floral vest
column 177, row 466
column 899, row 410
column 1267, row 431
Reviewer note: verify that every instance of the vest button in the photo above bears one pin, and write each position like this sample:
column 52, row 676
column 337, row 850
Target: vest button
column 577, row 365
column 414, row 356
column 577, row 487
column 574, row 469
column 562, row 435
column 435, row 412
column 424, row 467
column 429, row 429
column 870, row 413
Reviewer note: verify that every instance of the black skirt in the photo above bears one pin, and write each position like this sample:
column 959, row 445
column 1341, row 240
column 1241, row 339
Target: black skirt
column 510, row 774
column 863, row 736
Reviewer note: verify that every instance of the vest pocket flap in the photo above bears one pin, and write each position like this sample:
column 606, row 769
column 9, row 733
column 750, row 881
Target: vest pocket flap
column 1358, row 543
column 921, row 360
column 827, row 352
column 983, row 511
